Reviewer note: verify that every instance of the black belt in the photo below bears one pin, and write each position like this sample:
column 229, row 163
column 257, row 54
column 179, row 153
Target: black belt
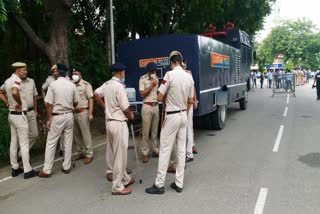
column 18, row 112
column 56, row 114
column 116, row 120
column 30, row 109
column 174, row 112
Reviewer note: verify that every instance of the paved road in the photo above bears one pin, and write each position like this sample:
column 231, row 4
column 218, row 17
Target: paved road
column 266, row 160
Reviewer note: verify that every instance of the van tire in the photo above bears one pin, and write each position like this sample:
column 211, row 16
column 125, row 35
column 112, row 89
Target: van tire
column 219, row 117
column 243, row 102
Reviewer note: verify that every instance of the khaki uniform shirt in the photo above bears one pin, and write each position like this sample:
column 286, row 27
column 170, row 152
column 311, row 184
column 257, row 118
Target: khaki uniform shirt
column 178, row 86
column 115, row 98
column 28, row 91
column 14, row 82
column 62, row 94
column 85, row 93
column 46, row 84
column 144, row 83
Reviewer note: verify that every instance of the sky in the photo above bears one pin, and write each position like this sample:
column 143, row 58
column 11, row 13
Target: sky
column 291, row 9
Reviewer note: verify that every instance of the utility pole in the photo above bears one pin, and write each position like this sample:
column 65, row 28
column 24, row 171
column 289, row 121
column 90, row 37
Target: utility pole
column 112, row 33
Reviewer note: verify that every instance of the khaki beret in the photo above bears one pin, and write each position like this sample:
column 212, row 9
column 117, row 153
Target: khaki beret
column 19, row 65
column 175, row 53
column 54, row 67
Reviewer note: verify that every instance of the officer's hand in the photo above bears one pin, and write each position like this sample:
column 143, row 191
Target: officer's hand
column 154, row 82
column 131, row 116
column 48, row 124
column 90, row 117
column 195, row 105
column 18, row 107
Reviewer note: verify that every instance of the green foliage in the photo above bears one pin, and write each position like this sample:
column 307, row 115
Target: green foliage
column 4, row 134
column 298, row 40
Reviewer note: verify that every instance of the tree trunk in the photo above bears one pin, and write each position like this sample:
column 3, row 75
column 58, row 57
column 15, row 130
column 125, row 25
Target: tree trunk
column 57, row 13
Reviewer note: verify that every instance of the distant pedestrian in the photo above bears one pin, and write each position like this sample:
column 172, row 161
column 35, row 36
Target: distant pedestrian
column 261, row 79
column 316, row 84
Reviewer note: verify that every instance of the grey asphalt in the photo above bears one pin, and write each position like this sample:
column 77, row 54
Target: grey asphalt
column 225, row 178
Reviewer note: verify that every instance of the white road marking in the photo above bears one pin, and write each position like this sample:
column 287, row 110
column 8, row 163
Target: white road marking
column 261, row 201
column 277, row 143
column 288, row 99
column 39, row 166
column 285, row 111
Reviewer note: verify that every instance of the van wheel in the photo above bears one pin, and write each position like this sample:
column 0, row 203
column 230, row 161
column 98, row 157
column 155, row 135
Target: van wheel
column 244, row 101
column 219, row 117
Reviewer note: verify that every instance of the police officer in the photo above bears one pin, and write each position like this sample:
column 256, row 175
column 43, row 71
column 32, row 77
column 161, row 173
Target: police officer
column 54, row 75
column 50, row 79
column 177, row 86
column 148, row 87
column 190, row 133
column 30, row 93
column 316, row 84
column 117, row 110
column 82, row 118
column 61, row 99
column 18, row 121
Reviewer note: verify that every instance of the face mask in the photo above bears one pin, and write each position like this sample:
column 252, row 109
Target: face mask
column 123, row 79
column 152, row 76
column 75, row 78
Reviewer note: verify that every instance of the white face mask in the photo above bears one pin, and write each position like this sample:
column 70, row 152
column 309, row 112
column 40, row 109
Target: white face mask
column 152, row 76
column 75, row 78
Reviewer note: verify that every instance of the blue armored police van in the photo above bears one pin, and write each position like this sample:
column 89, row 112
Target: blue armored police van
column 219, row 61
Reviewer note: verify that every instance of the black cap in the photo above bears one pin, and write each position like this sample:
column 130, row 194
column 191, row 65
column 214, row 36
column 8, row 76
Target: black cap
column 62, row 67
column 117, row 67
column 151, row 66
column 74, row 69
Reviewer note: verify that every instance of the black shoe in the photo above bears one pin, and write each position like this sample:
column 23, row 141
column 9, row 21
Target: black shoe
column 65, row 171
column 129, row 171
column 175, row 187
column 189, row 159
column 30, row 174
column 155, row 190
column 16, row 172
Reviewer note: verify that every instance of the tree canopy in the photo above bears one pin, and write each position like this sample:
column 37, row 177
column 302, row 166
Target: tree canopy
column 77, row 32
column 298, row 41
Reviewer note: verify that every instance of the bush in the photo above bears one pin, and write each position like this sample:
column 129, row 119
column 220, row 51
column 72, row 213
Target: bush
column 4, row 134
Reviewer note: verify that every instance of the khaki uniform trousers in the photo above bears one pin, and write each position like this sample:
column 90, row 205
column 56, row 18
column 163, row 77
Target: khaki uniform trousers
column 19, row 135
column 190, row 134
column 150, row 123
column 82, row 134
column 117, row 138
column 60, row 125
column 174, row 131
column 33, row 130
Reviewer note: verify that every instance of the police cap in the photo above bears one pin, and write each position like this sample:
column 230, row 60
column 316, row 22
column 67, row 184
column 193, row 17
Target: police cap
column 62, row 67
column 75, row 69
column 151, row 66
column 117, row 67
column 175, row 53
column 54, row 67
column 19, row 65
